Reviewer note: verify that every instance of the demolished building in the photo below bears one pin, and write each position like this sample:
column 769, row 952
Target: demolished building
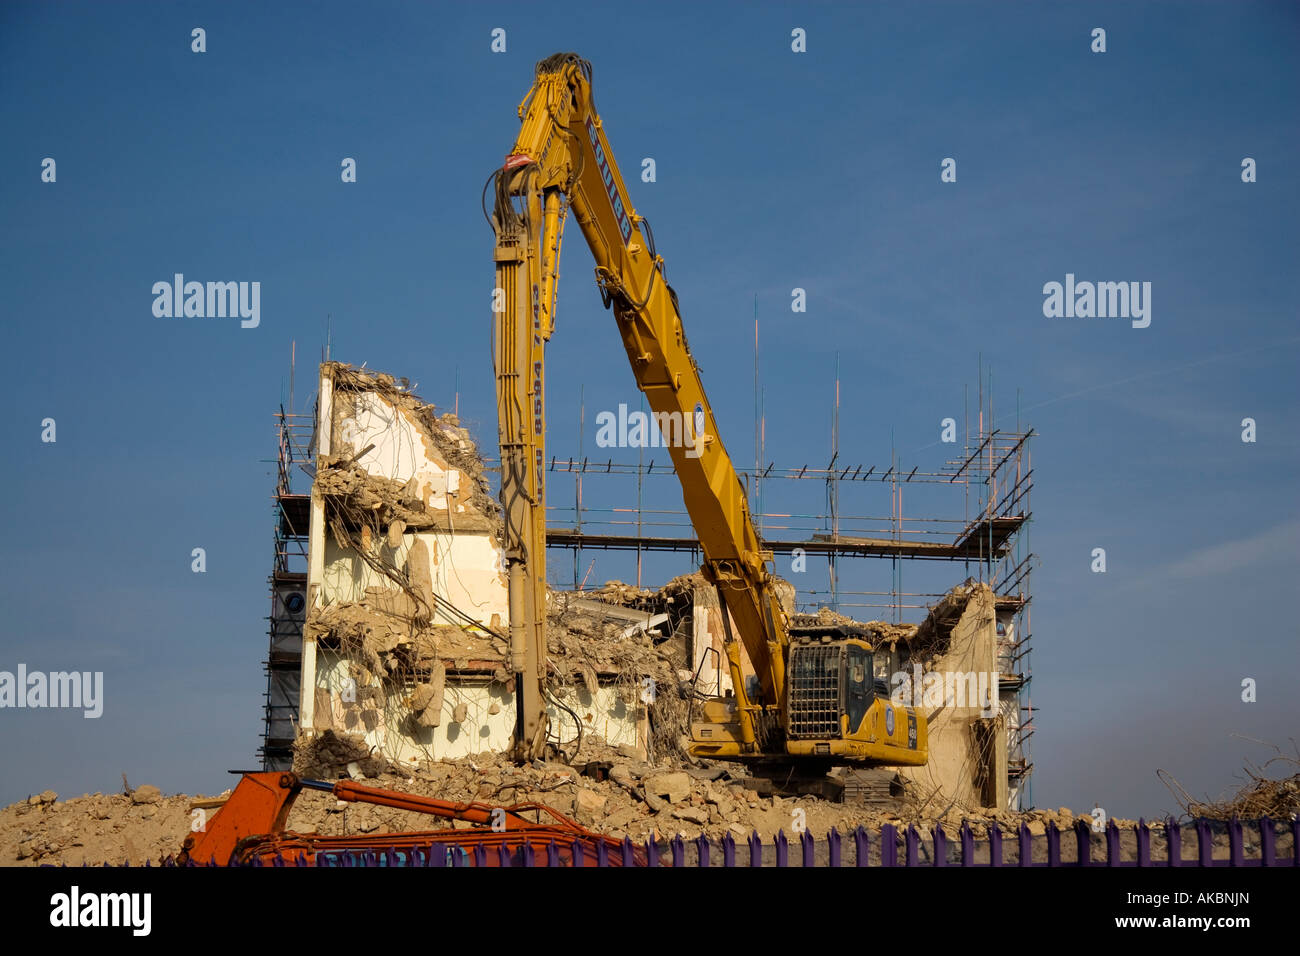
column 406, row 602
column 388, row 638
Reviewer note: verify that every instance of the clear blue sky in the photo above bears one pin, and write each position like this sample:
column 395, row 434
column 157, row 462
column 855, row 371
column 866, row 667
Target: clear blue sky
column 775, row 170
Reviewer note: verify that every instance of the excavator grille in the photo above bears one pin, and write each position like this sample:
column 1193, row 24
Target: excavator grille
column 814, row 682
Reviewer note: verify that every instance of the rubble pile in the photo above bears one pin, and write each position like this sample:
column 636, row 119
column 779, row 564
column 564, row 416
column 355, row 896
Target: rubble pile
column 608, row 790
column 329, row 756
column 389, row 645
column 142, row 825
column 386, row 500
column 1276, row 799
column 612, row 790
column 879, row 632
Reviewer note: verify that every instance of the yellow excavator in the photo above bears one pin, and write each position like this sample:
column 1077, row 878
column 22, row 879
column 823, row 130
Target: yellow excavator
column 815, row 703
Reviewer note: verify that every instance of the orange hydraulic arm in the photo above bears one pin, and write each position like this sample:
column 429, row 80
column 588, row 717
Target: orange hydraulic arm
column 562, row 160
column 252, row 824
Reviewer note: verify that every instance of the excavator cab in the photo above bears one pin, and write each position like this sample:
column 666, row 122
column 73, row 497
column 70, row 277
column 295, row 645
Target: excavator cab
column 835, row 706
column 835, row 712
column 831, row 683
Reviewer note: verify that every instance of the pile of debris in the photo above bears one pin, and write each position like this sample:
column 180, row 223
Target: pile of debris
column 133, row 827
column 616, row 791
column 879, row 632
column 608, row 789
column 1277, row 798
column 643, row 656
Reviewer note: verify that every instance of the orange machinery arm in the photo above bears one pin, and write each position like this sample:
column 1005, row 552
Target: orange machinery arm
column 562, row 159
column 252, row 821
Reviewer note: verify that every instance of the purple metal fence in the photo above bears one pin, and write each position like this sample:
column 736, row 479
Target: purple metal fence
column 882, row 849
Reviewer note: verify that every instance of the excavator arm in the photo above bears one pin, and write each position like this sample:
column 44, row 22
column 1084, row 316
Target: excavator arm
column 561, row 161
column 250, row 828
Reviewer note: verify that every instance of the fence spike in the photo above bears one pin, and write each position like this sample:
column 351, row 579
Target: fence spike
column 888, row 846
column 1083, row 842
column 1267, row 842
column 1235, row 855
column 1204, row 843
column 1174, row 842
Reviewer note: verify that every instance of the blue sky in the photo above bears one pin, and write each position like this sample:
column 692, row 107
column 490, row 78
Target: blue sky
column 775, row 170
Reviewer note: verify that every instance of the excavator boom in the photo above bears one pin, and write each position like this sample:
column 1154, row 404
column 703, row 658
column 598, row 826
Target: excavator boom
column 562, row 158
column 562, row 162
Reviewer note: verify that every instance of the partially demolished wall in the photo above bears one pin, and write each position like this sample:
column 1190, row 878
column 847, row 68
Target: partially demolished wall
column 956, row 650
column 404, row 643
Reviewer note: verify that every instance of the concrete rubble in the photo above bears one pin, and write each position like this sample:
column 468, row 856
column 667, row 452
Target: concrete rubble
column 633, row 799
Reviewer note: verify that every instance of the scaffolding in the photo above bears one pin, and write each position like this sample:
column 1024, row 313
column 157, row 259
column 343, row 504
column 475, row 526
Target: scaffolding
column 288, row 583
column 987, row 535
column 986, row 532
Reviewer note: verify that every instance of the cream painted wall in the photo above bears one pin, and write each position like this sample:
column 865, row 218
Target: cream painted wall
column 465, row 566
column 384, row 724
